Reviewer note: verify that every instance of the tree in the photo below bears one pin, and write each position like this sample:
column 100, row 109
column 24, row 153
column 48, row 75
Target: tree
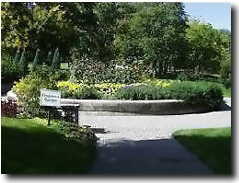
column 207, row 47
column 23, row 63
column 36, row 60
column 36, row 25
column 55, row 60
column 156, row 33
column 16, row 58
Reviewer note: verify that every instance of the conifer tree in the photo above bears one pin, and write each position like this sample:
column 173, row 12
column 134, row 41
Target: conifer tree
column 55, row 60
column 23, row 63
column 48, row 60
column 16, row 58
column 36, row 60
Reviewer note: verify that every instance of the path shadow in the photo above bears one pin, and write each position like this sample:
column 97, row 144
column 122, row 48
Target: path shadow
column 224, row 107
column 162, row 157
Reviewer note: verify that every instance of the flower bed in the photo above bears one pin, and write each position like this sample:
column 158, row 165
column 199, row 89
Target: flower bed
column 205, row 93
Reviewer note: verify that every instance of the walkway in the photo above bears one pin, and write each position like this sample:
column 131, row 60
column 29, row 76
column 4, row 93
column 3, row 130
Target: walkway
column 143, row 144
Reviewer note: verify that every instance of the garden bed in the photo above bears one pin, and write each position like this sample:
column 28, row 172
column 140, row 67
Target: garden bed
column 153, row 96
column 136, row 107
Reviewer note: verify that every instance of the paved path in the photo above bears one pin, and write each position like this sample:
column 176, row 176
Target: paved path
column 153, row 127
column 143, row 144
column 147, row 157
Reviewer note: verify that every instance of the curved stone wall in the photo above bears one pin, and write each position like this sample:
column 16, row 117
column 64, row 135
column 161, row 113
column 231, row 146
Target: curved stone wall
column 136, row 107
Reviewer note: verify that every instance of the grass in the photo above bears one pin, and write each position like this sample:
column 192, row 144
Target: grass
column 226, row 92
column 212, row 146
column 29, row 147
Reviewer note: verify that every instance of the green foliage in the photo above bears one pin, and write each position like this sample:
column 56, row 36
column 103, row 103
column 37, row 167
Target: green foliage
column 98, row 36
column 108, row 89
column 84, row 91
column 212, row 146
column 155, row 33
column 226, row 69
column 28, row 88
column 55, row 61
column 73, row 132
column 201, row 92
column 207, row 47
column 139, row 92
column 16, row 58
column 36, row 60
column 90, row 71
column 78, row 91
column 204, row 93
column 23, row 63
column 9, row 69
column 49, row 60
column 46, row 149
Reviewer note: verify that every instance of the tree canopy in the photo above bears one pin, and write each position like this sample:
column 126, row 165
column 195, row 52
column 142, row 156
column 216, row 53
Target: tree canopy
column 159, row 34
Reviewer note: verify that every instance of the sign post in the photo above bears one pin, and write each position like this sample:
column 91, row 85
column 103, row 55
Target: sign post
column 49, row 99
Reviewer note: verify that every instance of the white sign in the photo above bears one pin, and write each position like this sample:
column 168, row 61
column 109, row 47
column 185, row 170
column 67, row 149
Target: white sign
column 50, row 97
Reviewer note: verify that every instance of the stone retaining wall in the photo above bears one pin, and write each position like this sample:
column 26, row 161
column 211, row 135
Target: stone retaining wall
column 136, row 107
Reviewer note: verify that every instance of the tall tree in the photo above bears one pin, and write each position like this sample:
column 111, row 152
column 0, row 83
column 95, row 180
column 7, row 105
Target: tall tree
column 156, row 33
column 207, row 47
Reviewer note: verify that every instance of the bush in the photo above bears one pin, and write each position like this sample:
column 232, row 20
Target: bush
column 143, row 92
column 28, row 89
column 227, row 82
column 10, row 70
column 73, row 132
column 79, row 91
column 92, row 71
column 85, row 91
column 108, row 89
column 8, row 108
column 163, row 83
column 205, row 93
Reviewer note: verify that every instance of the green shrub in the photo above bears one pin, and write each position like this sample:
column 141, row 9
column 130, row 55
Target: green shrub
column 84, row 91
column 205, row 93
column 227, row 82
column 28, row 88
column 79, row 91
column 10, row 70
column 36, row 60
column 73, row 132
column 56, row 60
column 88, row 92
column 108, row 89
column 93, row 71
column 182, row 76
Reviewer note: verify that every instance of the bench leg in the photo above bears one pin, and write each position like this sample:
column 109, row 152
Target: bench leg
column 49, row 118
column 76, row 116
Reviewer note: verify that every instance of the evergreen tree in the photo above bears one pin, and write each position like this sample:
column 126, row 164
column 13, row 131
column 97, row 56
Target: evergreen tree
column 16, row 58
column 23, row 63
column 55, row 61
column 48, row 60
column 36, row 60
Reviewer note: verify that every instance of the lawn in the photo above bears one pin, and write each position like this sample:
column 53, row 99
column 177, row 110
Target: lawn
column 226, row 92
column 212, row 146
column 29, row 147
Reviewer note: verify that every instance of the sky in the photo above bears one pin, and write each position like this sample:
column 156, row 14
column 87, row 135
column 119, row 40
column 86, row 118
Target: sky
column 217, row 14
